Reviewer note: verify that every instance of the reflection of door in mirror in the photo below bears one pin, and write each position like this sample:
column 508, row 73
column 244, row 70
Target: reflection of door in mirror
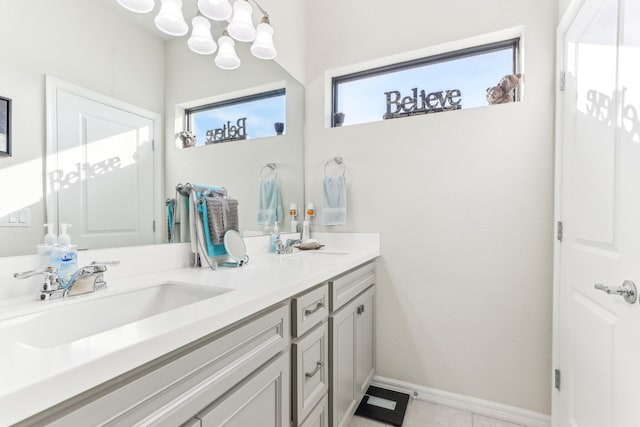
column 100, row 175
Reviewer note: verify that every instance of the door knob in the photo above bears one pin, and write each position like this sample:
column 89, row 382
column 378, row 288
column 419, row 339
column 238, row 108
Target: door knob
column 628, row 290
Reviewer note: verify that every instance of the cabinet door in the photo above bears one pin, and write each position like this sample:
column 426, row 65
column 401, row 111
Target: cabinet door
column 319, row 417
column 365, row 351
column 343, row 393
column 310, row 371
column 261, row 400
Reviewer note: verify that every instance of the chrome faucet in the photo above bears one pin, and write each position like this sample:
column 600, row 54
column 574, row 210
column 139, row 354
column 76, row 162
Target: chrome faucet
column 87, row 279
column 282, row 248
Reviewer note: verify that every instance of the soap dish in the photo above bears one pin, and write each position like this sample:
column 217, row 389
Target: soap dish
column 306, row 246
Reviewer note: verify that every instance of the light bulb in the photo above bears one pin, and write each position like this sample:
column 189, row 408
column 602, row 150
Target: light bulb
column 138, row 6
column 263, row 47
column 241, row 27
column 227, row 59
column 218, row 10
column 170, row 19
column 201, row 40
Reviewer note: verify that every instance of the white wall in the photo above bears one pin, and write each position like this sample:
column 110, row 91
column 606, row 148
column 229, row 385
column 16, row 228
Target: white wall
column 85, row 43
column 463, row 201
column 562, row 6
column 287, row 20
column 234, row 165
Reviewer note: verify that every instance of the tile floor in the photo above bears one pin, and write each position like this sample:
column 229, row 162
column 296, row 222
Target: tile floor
column 425, row 414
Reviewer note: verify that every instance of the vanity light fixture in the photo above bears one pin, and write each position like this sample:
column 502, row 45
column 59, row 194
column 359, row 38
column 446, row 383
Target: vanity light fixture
column 238, row 20
column 241, row 27
column 138, row 6
column 263, row 47
column 201, row 40
column 218, row 10
column 170, row 19
column 227, row 59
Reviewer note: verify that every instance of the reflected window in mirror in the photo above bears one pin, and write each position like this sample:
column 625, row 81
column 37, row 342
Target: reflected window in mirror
column 249, row 117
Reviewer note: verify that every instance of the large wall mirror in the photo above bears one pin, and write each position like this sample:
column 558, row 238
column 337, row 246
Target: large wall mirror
column 107, row 50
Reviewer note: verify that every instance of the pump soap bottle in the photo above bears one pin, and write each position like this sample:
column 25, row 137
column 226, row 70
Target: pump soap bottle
column 49, row 241
column 64, row 256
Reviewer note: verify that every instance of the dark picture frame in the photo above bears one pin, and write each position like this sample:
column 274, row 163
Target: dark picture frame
column 5, row 126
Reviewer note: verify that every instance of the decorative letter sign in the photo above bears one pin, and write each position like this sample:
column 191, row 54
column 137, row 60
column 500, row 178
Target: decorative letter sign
column 421, row 103
column 228, row 132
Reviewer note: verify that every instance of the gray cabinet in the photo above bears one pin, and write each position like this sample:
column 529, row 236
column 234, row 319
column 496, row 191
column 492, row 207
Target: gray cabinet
column 172, row 390
column 310, row 354
column 352, row 349
column 305, row 362
column 319, row 416
column 261, row 400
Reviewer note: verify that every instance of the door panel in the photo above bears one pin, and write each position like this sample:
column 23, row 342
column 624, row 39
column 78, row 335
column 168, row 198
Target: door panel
column 104, row 177
column 263, row 400
column 365, row 353
column 599, row 339
column 343, row 393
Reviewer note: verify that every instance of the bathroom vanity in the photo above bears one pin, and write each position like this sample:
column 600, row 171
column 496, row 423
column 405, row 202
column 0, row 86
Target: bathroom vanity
column 285, row 340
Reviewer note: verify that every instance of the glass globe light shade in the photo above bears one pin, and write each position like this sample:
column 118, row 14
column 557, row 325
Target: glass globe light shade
column 227, row 59
column 241, row 27
column 263, row 47
column 138, row 6
column 201, row 40
column 170, row 19
column 218, row 10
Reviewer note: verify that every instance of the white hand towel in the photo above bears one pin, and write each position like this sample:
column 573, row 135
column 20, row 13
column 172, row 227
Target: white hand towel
column 270, row 203
column 334, row 200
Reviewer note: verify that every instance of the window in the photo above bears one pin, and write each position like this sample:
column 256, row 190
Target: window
column 449, row 81
column 249, row 117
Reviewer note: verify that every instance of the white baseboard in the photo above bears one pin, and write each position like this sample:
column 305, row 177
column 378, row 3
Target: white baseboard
column 474, row 405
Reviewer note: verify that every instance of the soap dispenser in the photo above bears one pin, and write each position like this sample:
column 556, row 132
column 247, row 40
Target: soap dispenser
column 64, row 256
column 49, row 241
column 293, row 212
column 306, row 224
column 275, row 237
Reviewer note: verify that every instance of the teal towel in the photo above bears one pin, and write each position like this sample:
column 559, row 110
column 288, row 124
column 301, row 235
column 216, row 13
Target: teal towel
column 270, row 203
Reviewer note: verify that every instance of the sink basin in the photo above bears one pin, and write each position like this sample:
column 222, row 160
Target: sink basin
column 84, row 318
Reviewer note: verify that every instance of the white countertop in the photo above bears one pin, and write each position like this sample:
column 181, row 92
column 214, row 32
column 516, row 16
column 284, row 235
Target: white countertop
column 34, row 379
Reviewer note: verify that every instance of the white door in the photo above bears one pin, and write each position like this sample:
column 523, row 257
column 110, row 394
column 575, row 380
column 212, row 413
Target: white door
column 103, row 183
column 598, row 334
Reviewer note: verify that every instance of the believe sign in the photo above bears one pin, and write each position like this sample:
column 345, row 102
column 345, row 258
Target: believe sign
column 421, row 103
column 228, row 132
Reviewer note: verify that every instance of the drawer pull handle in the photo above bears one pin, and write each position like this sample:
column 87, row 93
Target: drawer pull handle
column 309, row 312
column 315, row 371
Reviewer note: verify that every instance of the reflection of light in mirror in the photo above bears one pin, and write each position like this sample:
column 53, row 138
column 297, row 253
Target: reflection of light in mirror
column 596, row 70
column 96, row 158
column 21, row 184
column 629, row 64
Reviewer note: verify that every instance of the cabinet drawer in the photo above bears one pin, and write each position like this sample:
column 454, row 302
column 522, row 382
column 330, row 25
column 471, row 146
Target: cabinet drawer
column 194, row 422
column 319, row 416
column 261, row 400
column 310, row 371
column 344, row 288
column 309, row 310
column 174, row 388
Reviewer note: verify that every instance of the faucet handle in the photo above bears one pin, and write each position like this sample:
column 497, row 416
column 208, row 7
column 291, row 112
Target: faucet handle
column 51, row 280
column 44, row 271
column 114, row 263
column 100, row 266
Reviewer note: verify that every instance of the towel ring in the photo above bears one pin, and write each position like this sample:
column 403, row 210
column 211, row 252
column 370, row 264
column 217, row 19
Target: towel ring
column 338, row 161
column 269, row 167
